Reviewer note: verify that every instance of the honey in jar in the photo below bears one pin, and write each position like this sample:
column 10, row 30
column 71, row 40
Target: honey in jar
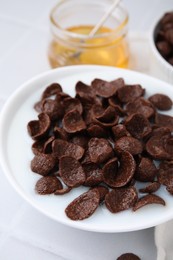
column 71, row 25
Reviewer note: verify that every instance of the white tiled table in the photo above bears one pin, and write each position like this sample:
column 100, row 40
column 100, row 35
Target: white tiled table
column 26, row 234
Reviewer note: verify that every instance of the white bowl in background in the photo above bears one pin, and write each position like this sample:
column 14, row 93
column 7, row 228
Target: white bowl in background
column 159, row 67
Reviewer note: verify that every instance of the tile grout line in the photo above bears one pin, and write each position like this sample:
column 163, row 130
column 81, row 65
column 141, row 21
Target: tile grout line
column 17, row 217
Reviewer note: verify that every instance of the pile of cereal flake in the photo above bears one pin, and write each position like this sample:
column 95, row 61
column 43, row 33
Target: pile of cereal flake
column 107, row 138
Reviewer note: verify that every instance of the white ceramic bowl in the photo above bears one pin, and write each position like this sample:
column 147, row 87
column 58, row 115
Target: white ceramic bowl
column 159, row 67
column 16, row 154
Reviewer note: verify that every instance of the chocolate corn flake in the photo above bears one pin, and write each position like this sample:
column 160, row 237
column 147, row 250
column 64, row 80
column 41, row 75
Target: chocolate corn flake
column 38, row 147
column 160, row 147
column 150, row 188
column 85, row 93
column 88, row 116
column 141, row 106
column 106, row 118
column 169, row 35
column 138, row 125
column 130, row 144
column 52, row 108
column 47, row 148
column 95, row 130
column 100, row 150
column 63, row 191
column 38, row 129
column 48, row 185
column 62, row 147
column 72, row 104
column 166, row 165
column 169, row 188
column 148, row 199
column 167, row 19
column 164, row 48
column 80, row 139
column 146, row 170
column 106, row 89
column 43, row 163
column 102, row 192
column 93, row 174
column 71, row 171
column 38, row 106
column 97, row 110
column 128, row 93
column 164, row 120
column 51, row 90
column 73, row 122
column 165, row 176
column 117, row 107
column 109, row 124
column 119, row 131
column 161, row 102
column 60, row 97
column 110, row 171
column 120, row 199
column 126, row 170
column 86, row 158
column 128, row 256
column 84, row 90
column 84, row 205
column 159, row 131
column 107, row 115
column 60, row 133
column 118, row 83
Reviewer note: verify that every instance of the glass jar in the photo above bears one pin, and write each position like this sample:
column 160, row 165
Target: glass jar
column 71, row 22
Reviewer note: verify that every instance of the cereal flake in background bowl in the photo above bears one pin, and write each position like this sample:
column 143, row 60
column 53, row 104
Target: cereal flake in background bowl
column 161, row 44
column 16, row 162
